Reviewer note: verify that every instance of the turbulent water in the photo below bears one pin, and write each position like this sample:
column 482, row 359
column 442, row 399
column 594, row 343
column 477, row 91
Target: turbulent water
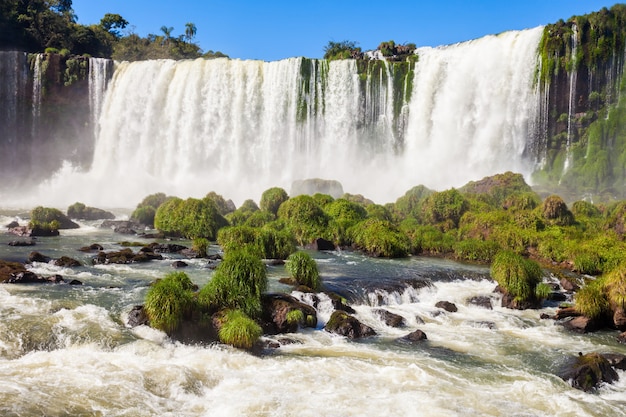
column 239, row 127
column 65, row 350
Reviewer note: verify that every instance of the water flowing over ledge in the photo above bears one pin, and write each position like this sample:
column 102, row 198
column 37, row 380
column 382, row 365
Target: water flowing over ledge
column 239, row 127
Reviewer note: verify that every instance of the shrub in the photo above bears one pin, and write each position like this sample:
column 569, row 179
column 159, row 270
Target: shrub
column 304, row 217
column 379, row 212
column 45, row 216
column 191, row 218
column 146, row 210
column 431, row 240
column 591, row 300
column 239, row 330
column 224, row 207
column 516, row 275
column 236, row 237
column 409, row 203
column 259, row 219
column 80, row 211
column 266, row 242
column 616, row 286
column 345, row 211
column 304, row 270
column 169, row 300
column 585, row 209
column 476, row 250
column 238, row 282
column 243, row 213
column 443, row 207
column 588, row 262
column 555, row 211
column 201, row 245
column 272, row 198
column 380, row 238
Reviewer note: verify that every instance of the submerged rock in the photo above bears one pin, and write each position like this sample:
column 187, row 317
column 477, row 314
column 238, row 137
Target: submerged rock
column 587, row 372
column 137, row 317
column 16, row 243
column 38, row 257
column 66, row 261
column 414, row 337
column 344, row 324
column 389, row 318
column 481, row 301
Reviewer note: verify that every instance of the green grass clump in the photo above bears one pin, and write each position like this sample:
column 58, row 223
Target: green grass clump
column 304, row 270
column 272, row 198
column 191, row 218
column 266, row 242
column 516, row 275
column 305, row 218
column 169, row 300
column 201, row 245
column 295, row 317
column 591, row 300
column 237, row 284
column 476, row 250
column 239, row 330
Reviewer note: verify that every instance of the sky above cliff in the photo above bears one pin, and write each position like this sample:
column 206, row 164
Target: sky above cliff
column 273, row 30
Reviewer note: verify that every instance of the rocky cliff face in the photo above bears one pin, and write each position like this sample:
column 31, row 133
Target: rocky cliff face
column 46, row 113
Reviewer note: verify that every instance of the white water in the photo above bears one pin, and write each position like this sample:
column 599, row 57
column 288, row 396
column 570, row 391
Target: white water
column 237, row 127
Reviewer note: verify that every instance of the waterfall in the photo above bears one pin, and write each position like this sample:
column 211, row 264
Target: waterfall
column 238, row 127
column 100, row 70
column 37, row 72
column 573, row 75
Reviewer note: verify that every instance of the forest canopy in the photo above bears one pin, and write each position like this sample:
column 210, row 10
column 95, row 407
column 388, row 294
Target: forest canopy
column 50, row 26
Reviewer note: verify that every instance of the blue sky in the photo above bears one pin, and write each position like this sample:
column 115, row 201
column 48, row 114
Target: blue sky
column 273, row 30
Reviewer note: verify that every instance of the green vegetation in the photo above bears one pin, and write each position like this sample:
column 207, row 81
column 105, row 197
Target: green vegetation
column 146, row 210
column 80, row 211
column 50, row 218
column 304, row 270
column 591, row 300
column 239, row 330
column 517, row 276
column 191, row 218
column 50, row 25
column 342, row 50
column 265, row 242
column 272, row 198
column 169, row 300
column 380, row 238
column 304, row 218
column 237, row 284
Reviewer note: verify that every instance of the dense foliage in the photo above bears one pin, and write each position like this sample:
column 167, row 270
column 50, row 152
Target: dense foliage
column 191, row 218
column 169, row 300
column 516, row 275
column 46, row 216
column 50, row 25
column 304, row 270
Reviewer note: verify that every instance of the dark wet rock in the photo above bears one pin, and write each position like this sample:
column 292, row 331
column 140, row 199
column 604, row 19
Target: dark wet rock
column 617, row 360
column 389, row 318
column 414, row 337
column 137, row 317
column 557, row 296
column 66, row 261
column 55, row 279
column 582, row 324
column 508, row 301
column 448, row 306
column 30, row 242
column 339, row 303
column 622, row 338
column 38, row 257
column 180, row 264
column 75, row 282
column 124, row 227
column 94, row 247
column 125, row 256
column 26, row 277
column 274, row 262
column 321, row 244
column 166, row 247
column 13, row 224
column 419, row 320
column 214, row 257
column 565, row 312
column 45, row 232
column 481, row 301
column 9, row 269
column 587, row 372
column 276, row 314
column 344, row 324
column 155, row 235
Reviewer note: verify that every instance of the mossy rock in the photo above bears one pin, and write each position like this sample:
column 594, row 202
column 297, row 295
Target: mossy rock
column 587, row 372
column 344, row 324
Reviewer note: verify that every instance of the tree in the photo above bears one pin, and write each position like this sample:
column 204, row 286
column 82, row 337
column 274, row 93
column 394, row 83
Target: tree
column 112, row 23
column 190, row 31
column 167, row 31
column 341, row 50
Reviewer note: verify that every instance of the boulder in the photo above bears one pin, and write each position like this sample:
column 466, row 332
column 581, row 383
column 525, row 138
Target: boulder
column 447, row 306
column 14, row 223
column 26, row 277
column 276, row 309
column 565, row 312
column 568, row 285
column 344, row 324
column 10, row 269
column 481, row 301
column 622, row 338
column 414, row 337
column 165, row 247
column 124, row 227
column 339, row 303
column 389, row 318
column 508, row 301
column 179, row 264
column 617, row 360
column 94, row 247
column 38, row 257
column 124, row 256
column 66, row 261
column 582, row 324
column 587, row 372
column 137, row 317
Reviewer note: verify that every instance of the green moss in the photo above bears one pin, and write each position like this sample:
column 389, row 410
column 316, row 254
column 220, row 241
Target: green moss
column 295, row 317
